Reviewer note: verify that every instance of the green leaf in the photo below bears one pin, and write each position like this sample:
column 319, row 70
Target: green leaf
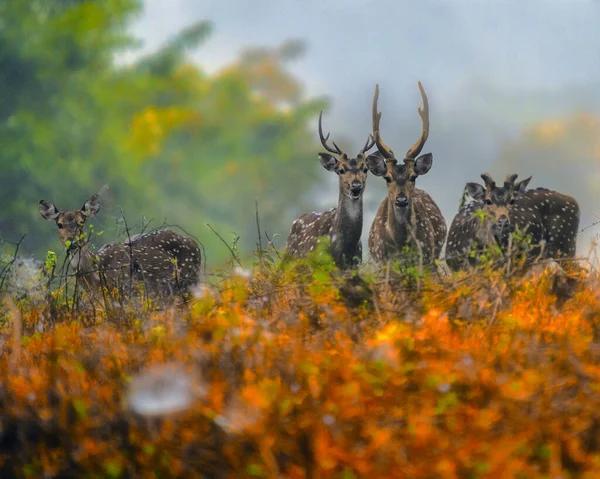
column 80, row 408
column 113, row 469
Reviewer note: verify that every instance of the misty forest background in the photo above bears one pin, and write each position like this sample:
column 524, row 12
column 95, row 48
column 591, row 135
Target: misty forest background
column 180, row 144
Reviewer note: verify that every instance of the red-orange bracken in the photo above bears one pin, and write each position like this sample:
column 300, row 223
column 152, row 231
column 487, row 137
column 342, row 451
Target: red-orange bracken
column 472, row 377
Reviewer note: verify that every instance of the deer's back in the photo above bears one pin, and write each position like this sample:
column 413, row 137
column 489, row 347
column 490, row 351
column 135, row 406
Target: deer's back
column 180, row 248
column 124, row 267
column 558, row 217
column 306, row 230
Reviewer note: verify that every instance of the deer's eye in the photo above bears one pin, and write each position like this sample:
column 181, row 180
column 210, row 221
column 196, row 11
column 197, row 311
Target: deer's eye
column 388, row 179
column 341, row 172
column 488, row 201
column 512, row 201
column 60, row 225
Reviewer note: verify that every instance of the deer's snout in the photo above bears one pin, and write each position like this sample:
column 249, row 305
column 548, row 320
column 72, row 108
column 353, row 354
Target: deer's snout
column 502, row 227
column 356, row 188
column 402, row 201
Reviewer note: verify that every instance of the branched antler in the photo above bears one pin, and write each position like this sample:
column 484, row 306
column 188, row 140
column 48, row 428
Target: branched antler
column 385, row 150
column 414, row 150
column 324, row 139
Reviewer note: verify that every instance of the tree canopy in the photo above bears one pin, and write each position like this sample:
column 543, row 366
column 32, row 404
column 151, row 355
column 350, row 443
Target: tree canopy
column 173, row 143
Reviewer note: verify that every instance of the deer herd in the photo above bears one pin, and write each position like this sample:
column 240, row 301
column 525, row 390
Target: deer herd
column 408, row 221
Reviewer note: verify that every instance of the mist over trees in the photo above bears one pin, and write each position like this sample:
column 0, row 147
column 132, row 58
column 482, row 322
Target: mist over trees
column 173, row 143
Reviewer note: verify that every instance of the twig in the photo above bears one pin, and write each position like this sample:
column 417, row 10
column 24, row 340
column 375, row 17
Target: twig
column 592, row 225
column 16, row 332
column 131, row 259
column 5, row 271
column 231, row 251
column 260, row 248
column 272, row 245
column 509, row 255
column 496, row 305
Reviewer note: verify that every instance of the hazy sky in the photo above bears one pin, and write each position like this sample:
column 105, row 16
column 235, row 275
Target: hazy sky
column 490, row 68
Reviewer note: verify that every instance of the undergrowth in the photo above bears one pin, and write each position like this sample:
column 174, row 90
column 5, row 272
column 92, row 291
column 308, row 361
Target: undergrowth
column 295, row 370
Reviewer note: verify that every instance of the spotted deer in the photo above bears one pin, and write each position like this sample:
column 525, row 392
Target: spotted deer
column 551, row 220
column 559, row 215
column 488, row 221
column 164, row 263
column 183, row 251
column 408, row 217
column 342, row 225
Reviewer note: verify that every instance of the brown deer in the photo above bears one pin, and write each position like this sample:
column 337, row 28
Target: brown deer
column 549, row 218
column 164, row 263
column 559, row 215
column 488, row 221
column 182, row 250
column 408, row 217
column 342, row 225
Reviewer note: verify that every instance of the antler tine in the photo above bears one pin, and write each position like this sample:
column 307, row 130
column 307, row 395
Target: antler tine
column 368, row 145
column 490, row 184
column 414, row 150
column 510, row 180
column 324, row 139
column 487, row 178
column 385, row 150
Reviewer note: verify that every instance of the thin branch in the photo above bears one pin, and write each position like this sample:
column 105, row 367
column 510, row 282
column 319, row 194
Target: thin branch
column 6, row 270
column 592, row 225
column 231, row 250
column 272, row 245
column 131, row 259
column 260, row 248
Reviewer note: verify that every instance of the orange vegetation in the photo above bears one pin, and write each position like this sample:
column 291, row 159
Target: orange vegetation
column 480, row 377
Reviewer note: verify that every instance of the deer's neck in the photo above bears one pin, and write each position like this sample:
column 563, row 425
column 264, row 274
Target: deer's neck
column 347, row 227
column 399, row 223
column 82, row 262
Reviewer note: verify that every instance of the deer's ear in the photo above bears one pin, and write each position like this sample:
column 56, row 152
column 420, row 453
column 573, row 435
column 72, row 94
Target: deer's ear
column 91, row 206
column 423, row 164
column 48, row 210
column 475, row 191
column 521, row 186
column 376, row 164
column 328, row 161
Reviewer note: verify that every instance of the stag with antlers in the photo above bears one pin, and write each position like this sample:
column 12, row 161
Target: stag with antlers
column 342, row 225
column 164, row 263
column 408, row 216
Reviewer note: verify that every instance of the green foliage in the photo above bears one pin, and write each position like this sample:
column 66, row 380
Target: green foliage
column 407, row 268
column 172, row 142
column 50, row 263
column 480, row 215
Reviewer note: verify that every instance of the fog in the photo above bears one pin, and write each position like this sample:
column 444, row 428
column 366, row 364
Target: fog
column 491, row 71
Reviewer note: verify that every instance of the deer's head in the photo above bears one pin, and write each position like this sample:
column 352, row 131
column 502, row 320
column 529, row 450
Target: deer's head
column 400, row 178
column 496, row 203
column 71, row 223
column 352, row 172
